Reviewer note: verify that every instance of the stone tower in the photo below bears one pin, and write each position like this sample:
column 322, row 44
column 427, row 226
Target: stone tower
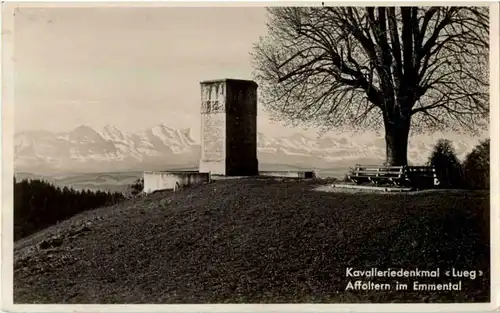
column 229, row 127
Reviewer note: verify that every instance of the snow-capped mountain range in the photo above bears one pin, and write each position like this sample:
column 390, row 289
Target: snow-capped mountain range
column 161, row 147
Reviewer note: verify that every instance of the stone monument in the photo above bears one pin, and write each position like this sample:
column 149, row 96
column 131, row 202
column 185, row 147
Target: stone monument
column 229, row 127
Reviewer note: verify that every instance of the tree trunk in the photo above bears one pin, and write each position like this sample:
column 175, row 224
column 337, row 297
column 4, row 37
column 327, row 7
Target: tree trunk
column 396, row 139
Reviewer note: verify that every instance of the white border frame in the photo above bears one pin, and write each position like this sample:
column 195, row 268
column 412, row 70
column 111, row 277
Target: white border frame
column 7, row 171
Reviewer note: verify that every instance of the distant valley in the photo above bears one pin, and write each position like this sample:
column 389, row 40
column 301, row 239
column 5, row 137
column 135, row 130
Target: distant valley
column 119, row 181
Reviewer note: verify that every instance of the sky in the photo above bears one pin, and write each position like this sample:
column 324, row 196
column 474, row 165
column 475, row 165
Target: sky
column 130, row 67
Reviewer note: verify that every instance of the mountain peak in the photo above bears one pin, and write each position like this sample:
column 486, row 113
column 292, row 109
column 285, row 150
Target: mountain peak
column 84, row 133
column 83, row 126
column 187, row 132
column 110, row 127
column 84, row 130
column 112, row 132
column 164, row 127
column 299, row 136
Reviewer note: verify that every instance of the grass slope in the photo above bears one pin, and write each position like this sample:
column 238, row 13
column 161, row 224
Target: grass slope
column 254, row 240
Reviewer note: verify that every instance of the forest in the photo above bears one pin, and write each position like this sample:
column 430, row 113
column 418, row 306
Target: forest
column 39, row 204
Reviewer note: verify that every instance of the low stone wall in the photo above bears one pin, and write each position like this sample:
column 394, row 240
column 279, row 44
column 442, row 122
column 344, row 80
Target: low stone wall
column 154, row 181
column 288, row 174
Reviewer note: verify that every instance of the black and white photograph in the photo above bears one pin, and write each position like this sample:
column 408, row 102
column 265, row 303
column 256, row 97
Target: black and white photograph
column 258, row 153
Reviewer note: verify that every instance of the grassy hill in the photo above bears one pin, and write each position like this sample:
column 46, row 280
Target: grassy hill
column 256, row 240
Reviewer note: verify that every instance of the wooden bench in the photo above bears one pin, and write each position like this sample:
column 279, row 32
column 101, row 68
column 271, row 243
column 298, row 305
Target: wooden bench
column 378, row 175
column 420, row 177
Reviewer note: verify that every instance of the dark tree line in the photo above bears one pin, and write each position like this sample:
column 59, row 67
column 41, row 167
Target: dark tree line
column 39, row 204
column 472, row 173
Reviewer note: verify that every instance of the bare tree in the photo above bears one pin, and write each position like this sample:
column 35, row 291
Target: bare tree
column 424, row 68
